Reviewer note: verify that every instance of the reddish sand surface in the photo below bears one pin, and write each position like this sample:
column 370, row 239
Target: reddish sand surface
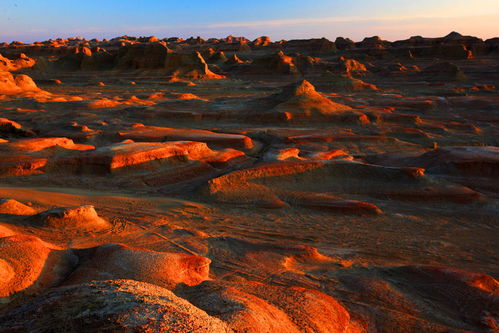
column 229, row 185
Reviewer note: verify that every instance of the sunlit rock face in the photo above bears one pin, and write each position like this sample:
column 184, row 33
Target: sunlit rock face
column 156, row 184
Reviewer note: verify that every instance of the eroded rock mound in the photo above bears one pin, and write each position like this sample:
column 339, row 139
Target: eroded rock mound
column 143, row 56
column 298, row 101
column 39, row 144
column 350, row 66
column 470, row 161
column 278, row 63
column 233, row 60
column 21, row 62
column 241, row 311
column 113, row 261
column 153, row 133
column 304, row 96
column 218, row 57
column 117, row 306
column 314, row 46
column 83, row 218
column 467, row 161
column 446, row 292
column 14, row 207
column 28, row 265
column 443, row 71
column 20, row 85
column 10, row 128
column 20, row 164
column 256, row 307
column 16, row 84
column 343, row 83
column 29, row 156
column 112, row 103
column 272, row 184
column 266, row 257
column 127, row 154
column 344, row 43
column 452, row 46
column 190, row 66
column 327, row 202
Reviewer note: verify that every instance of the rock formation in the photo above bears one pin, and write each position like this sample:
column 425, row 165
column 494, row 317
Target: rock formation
column 156, row 184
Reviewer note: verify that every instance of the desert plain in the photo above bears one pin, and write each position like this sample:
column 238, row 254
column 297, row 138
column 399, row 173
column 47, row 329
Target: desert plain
column 230, row 185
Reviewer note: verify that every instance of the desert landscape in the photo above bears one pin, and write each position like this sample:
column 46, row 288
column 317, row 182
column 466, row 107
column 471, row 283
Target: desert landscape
column 236, row 185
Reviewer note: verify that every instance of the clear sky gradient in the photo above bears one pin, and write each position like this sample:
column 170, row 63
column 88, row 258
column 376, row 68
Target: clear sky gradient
column 32, row 20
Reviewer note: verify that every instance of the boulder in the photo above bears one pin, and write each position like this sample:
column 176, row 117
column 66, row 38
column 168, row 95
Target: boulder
column 114, row 305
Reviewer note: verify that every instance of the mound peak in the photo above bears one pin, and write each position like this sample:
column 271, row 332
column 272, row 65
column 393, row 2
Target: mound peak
column 189, row 66
column 15, row 84
column 234, row 59
column 453, row 35
column 79, row 217
column 301, row 88
column 14, row 207
column 346, row 65
column 301, row 97
column 304, row 88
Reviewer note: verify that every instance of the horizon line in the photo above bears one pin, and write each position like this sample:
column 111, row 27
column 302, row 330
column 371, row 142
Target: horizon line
column 153, row 30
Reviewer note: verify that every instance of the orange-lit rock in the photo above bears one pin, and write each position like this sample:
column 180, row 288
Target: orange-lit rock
column 28, row 265
column 14, row 207
column 189, row 66
column 111, row 103
column 165, row 269
column 15, row 84
column 21, row 62
column 350, row 66
column 241, row 311
column 308, row 309
column 81, row 218
column 20, row 164
column 275, row 63
column 134, row 153
column 5, row 231
column 300, row 100
column 256, row 307
column 38, row 144
column 151, row 133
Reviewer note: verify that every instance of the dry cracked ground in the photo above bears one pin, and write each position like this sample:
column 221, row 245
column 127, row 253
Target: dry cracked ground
column 228, row 185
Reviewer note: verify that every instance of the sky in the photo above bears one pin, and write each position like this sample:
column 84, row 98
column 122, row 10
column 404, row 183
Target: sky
column 38, row 20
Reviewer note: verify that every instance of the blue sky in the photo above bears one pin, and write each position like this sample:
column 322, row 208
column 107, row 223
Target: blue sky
column 31, row 20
